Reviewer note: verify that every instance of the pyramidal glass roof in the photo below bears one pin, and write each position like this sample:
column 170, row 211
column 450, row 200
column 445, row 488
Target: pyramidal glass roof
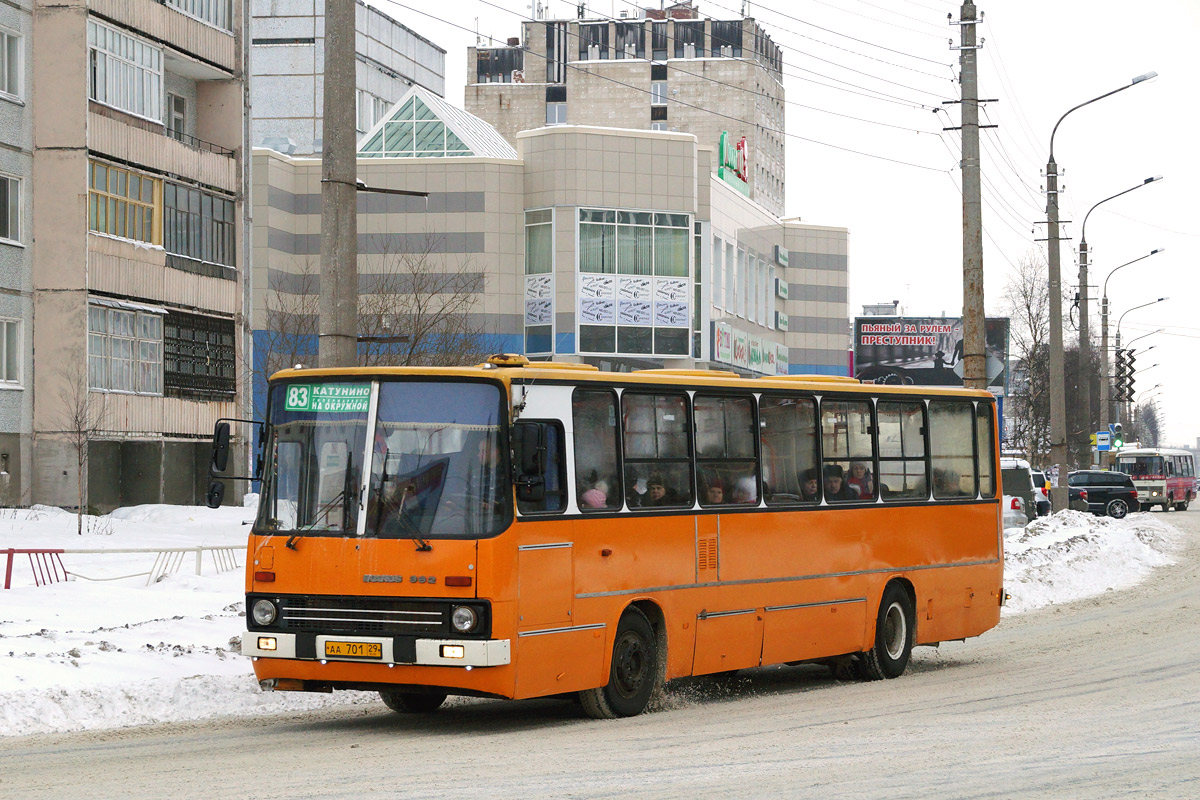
column 423, row 125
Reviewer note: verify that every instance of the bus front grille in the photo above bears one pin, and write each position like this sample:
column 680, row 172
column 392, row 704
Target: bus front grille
column 362, row 615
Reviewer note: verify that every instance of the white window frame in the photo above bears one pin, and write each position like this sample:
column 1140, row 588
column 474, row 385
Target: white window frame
column 12, row 185
column 9, row 329
column 658, row 93
column 118, row 76
column 216, row 13
column 560, row 113
column 103, row 341
column 10, row 40
column 176, row 124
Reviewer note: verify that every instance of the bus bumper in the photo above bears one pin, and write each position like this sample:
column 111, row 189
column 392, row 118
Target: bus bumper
column 426, row 652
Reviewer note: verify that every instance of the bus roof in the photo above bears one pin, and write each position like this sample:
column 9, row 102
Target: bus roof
column 509, row 368
column 1153, row 451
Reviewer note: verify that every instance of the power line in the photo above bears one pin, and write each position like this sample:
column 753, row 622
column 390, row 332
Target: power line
column 880, row 21
column 689, row 105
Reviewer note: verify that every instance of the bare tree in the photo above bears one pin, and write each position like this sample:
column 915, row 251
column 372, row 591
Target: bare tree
column 1027, row 303
column 416, row 312
column 82, row 415
column 1146, row 425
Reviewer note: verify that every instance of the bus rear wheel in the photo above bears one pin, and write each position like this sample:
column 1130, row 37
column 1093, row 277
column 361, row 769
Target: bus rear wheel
column 893, row 637
column 634, row 674
column 412, row 702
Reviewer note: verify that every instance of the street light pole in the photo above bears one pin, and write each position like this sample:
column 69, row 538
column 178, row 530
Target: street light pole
column 1105, row 410
column 1058, row 399
column 1085, row 341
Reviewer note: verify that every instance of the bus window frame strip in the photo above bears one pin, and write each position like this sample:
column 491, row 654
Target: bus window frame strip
column 368, row 453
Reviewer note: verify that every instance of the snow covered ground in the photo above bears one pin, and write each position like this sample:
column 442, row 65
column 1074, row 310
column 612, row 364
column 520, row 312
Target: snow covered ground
column 112, row 649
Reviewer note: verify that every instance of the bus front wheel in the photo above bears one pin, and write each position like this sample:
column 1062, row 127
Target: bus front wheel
column 634, row 674
column 893, row 637
column 412, row 702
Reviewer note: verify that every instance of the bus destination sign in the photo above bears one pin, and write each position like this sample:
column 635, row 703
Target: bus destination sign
column 328, row 398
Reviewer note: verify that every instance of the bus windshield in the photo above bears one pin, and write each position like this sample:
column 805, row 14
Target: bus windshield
column 1142, row 466
column 434, row 462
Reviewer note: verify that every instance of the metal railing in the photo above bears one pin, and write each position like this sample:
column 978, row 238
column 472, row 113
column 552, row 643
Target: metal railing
column 47, row 565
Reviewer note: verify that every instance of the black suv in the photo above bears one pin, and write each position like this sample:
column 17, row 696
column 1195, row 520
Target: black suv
column 1111, row 493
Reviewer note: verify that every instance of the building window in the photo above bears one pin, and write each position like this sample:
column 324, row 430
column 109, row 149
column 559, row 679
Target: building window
column 198, row 225
column 125, row 350
column 124, row 72
column 124, row 203
column 414, row 131
column 658, row 93
column 368, row 110
column 718, row 272
column 556, row 113
column 10, row 352
column 199, row 358
column 214, row 12
column 176, row 117
column 10, row 64
column 539, row 283
column 10, row 208
column 658, row 126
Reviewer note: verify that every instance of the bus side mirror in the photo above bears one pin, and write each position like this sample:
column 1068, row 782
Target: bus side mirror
column 220, row 456
column 215, row 494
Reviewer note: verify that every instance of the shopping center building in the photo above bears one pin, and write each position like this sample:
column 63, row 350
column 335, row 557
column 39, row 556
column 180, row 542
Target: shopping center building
column 618, row 247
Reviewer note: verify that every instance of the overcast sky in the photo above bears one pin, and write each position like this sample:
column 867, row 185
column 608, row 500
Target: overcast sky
column 888, row 63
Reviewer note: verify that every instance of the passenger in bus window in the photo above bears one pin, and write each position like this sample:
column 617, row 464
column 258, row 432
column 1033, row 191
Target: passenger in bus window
column 947, row 483
column 810, row 486
column 744, row 491
column 715, row 494
column 860, row 481
column 595, row 497
column 835, row 484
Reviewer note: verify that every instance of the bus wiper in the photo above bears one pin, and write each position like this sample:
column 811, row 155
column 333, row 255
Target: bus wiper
column 423, row 545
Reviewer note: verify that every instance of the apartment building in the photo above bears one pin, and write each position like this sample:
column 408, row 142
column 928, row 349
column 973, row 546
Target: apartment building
column 138, row 275
column 288, row 63
column 16, row 305
column 672, row 70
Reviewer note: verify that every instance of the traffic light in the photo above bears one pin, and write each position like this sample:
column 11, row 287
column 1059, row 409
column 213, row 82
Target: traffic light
column 1119, row 384
column 1118, row 436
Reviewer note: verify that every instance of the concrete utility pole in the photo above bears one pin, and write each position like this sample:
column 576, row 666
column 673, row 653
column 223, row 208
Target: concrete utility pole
column 974, row 339
column 338, row 325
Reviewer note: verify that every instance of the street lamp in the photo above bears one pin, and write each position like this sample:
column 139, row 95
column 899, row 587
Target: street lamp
column 1104, row 376
column 1085, row 341
column 1058, row 399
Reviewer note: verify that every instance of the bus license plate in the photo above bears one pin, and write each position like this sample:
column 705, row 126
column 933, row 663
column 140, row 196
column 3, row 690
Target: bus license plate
column 354, row 649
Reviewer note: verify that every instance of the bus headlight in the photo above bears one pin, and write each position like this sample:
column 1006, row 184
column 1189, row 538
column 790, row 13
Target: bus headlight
column 263, row 612
column 464, row 619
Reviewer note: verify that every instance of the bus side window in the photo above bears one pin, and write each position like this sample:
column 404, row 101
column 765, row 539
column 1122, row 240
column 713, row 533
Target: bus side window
column 984, row 450
column 847, row 451
column 902, row 451
column 952, row 446
column 657, row 449
column 594, row 421
column 788, row 438
column 725, row 460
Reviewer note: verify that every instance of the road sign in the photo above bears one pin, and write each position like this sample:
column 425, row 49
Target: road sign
column 1103, row 440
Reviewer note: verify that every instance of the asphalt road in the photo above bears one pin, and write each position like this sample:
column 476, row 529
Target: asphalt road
column 1097, row 699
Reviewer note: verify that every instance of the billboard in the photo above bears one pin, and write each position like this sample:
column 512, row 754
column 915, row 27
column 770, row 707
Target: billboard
column 925, row 351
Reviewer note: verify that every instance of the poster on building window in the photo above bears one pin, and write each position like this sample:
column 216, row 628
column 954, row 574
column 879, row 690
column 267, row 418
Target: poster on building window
column 538, row 311
column 596, row 286
column 671, row 315
column 756, row 353
column 741, row 350
column 538, row 287
column 925, row 351
column 781, row 359
column 634, row 312
column 634, row 289
column 597, row 311
column 722, row 343
column 671, row 290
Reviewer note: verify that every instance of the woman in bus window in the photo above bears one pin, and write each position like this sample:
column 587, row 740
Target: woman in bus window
column 860, row 480
column 810, row 485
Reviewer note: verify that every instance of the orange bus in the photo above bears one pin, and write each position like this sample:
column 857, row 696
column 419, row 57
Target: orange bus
column 520, row 529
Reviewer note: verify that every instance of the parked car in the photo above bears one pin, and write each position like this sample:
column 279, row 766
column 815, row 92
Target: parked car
column 1041, row 493
column 1103, row 491
column 1017, row 480
column 1014, row 512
